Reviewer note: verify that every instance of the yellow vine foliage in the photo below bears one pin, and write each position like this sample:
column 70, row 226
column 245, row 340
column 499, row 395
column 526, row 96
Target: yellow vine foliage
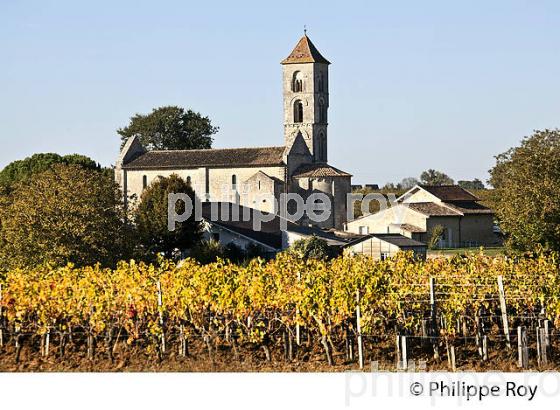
column 284, row 292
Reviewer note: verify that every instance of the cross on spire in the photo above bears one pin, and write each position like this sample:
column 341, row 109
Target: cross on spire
column 305, row 29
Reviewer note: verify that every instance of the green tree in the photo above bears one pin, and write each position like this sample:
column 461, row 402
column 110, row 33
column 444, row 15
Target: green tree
column 473, row 185
column 22, row 170
column 151, row 218
column 313, row 247
column 206, row 252
column 526, row 195
column 408, row 183
column 387, row 195
column 433, row 177
column 171, row 127
column 436, row 233
column 64, row 214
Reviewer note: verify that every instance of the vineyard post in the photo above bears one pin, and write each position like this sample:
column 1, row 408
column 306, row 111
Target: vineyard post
column 544, row 347
column 18, row 341
column 479, row 335
column 523, row 351
column 485, row 348
column 359, row 331
column 541, row 347
column 290, row 345
column 452, row 357
column 547, row 337
column 404, row 353
column 503, row 308
column 160, row 311
column 398, row 352
column 183, row 343
column 424, row 329
column 433, row 314
column 538, row 332
column 47, row 342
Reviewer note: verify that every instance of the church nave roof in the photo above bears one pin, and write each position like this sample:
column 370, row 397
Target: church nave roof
column 225, row 157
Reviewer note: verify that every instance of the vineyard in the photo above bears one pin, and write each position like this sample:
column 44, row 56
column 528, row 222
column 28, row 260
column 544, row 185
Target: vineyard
column 344, row 313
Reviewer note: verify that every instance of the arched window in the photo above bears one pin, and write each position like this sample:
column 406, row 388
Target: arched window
column 234, row 182
column 297, row 82
column 321, row 83
column 298, row 111
column 144, row 182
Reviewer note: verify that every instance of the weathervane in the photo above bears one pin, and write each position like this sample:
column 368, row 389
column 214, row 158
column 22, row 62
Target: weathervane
column 305, row 29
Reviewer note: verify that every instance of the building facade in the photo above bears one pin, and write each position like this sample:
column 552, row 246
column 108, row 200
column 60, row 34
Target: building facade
column 417, row 212
column 257, row 177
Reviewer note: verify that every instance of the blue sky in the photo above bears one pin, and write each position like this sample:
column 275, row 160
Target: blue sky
column 414, row 84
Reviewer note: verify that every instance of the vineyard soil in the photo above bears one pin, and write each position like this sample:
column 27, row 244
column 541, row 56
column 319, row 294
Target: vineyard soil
column 135, row 359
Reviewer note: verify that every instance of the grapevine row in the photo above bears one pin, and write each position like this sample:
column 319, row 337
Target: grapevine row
column 226, row 303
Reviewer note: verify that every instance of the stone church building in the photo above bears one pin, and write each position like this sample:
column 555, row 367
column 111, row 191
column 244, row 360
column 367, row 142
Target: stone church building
column 256, row 177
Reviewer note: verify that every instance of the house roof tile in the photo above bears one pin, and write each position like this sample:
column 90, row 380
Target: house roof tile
column 258, row 156
column 470, row 207
column 393, row 238
column 305, row 52
column 432, row 209
column 319, row 171
column 448, row 193
column 410, row 228
column 243, row 222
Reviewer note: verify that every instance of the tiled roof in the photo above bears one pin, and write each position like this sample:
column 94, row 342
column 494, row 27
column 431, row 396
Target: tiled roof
column 319, row 171
column 269, row 232
column 393, row 238
column 399, row 240
column 432, row 209
column 449, row 192
column 331, row 238
column 470, row 207
column 222, row 215
column 305, row 52
column 208, row 157
column 409, row 228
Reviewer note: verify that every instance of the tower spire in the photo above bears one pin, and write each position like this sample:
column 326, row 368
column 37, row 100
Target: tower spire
column 306, row 98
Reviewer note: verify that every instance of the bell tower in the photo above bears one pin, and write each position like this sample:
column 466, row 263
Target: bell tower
column 306, row 98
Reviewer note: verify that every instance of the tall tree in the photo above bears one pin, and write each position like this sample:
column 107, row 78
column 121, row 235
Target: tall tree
column 152, row 214
column 433, row 177
column 526, row 195
column 312, row 248
column 475, row 184
column 171, row 127
column 22, row 170
column 64, row 214
column 408, row 183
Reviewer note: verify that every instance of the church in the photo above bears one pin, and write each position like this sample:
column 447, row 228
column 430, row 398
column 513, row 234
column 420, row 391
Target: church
column 256, row 177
